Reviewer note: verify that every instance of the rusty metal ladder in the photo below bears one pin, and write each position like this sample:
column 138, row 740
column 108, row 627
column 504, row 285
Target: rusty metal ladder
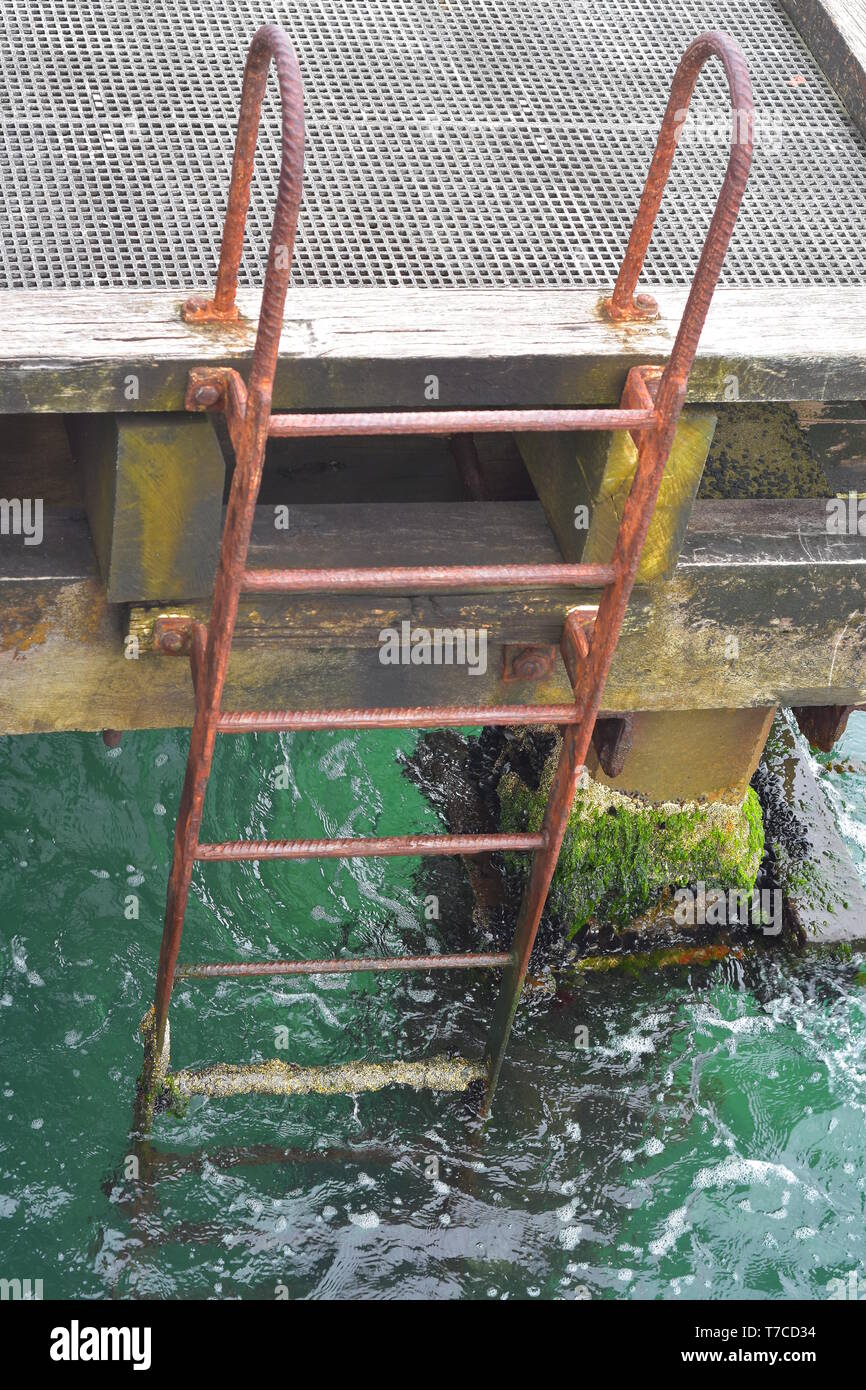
column 649, row 409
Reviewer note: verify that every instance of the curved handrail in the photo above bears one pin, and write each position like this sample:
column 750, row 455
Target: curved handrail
column 622, row 304
column 270, row 42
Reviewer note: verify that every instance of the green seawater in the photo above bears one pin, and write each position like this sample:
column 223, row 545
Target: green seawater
column 707, row 1144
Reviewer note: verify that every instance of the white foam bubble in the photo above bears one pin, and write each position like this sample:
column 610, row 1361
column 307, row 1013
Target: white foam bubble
column 367, row 1220
column 675, row 1226
column 568, row 1212
column 735, row 1171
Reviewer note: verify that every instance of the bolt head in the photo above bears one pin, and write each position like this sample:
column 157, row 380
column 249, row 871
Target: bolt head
column 171, row 641
column 531, row 664
column 206, row 396
column 528, row 668
column 646, row 305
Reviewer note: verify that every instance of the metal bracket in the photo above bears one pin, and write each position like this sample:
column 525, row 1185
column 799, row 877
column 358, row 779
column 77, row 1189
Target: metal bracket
column 199, row 308
column 643, row 309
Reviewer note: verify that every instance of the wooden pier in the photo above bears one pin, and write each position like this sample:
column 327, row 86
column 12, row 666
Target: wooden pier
column 744, row 604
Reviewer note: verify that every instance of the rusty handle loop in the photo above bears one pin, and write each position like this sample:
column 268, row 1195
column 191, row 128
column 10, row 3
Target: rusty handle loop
column 655, row 444
column 728, row 51
column 270, row 42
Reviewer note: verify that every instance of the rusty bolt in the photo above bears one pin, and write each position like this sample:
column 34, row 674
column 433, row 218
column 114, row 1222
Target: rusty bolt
column 527, row 663
column 642, row 308
column 206, row 396
column 194, row 306
column 645, row 305
column 171, row 633
column 200, row 309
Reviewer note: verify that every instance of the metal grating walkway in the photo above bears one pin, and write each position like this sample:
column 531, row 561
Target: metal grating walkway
column 450, row 143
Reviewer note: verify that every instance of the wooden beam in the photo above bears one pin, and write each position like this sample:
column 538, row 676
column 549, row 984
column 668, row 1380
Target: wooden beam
column 583, row 480
column 823, row 725
column 836, row 436
column 153, row 488
column 393, row 534
column 765, row 608
column 128, row 350
column 835, row 31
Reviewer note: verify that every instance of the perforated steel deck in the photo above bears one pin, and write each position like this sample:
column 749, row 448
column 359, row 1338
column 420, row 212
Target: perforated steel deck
column 449, row 143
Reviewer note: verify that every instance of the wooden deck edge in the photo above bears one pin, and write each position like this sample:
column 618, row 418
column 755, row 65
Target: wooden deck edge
column 835, row 32
column 77, row 351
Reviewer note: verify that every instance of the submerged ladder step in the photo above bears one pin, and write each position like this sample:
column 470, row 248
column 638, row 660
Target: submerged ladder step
column 420, row 717
column 385, row 847
column 426, row 578
column 277, row 1078
column 473, row 960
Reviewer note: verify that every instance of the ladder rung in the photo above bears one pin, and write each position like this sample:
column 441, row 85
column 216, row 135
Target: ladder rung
column 426, row 578
column 385, row 847
column 277, row 1078
column 490, row 960
column 458, row 421
column 421, row 717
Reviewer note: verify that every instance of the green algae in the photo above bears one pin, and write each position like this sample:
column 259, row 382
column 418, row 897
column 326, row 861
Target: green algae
column 760, row 451
column 619, row 853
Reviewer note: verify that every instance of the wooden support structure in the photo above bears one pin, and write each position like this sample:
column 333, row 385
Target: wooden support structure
column 363, row 348
column 764, row 608
column 689, row 755
column 823, row 725
column 583, row 483
column 153, row 489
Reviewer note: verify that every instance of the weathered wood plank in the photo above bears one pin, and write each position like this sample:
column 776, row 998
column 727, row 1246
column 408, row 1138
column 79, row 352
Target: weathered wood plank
column 835, row 31
column 128, row 350
column 153, row 487
column 765, row 608
column 394, row 534
column 401, row 533
column 836, row 436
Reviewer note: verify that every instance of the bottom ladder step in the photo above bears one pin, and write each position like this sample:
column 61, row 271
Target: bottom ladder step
column 275, row 1078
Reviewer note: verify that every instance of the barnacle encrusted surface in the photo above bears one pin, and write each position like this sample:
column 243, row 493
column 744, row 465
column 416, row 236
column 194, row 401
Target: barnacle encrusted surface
column 277, row 1078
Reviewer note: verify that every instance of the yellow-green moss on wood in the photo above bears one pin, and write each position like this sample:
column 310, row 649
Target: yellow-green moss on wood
column 620, row 852
column 761, row 451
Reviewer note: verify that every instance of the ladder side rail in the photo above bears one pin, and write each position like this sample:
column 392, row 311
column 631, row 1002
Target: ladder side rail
column 654, row 444
column 589, row 675
column 270, row 44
